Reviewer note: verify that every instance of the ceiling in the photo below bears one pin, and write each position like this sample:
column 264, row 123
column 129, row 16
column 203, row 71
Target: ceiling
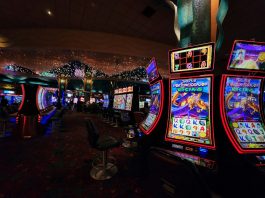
column 145, row 19
column 149, row 20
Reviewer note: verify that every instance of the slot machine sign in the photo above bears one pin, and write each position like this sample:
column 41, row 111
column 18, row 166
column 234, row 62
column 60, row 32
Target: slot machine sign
column 247, row 56
column 191, row 59
column 151, row 70
column 190, row 111
column 243, row 113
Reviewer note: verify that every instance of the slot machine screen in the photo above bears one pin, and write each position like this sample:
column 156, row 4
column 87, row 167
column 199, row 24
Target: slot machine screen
column 105, row 100
column 190, row 111
column 152, row 71
column 144, row 99
column 247, row 56
column 154, row 107
column 46, row 97
column 129, row 99
column 242, row 109
column 189, row 59
column 13, row 99
column 82, row 99
column 119, row 101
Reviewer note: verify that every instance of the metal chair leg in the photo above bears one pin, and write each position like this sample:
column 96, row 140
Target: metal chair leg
column 105, row 171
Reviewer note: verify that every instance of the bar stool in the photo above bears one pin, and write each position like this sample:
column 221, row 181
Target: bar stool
column 101, row 169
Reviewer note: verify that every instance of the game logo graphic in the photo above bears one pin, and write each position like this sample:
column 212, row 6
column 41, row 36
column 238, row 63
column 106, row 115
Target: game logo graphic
column 248, row 56
column 190, row 110
column 189, row 59
column 243, row 111
column 151, row 71
column 154, row 108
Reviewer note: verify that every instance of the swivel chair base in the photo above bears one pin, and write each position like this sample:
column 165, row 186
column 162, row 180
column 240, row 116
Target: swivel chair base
column 104, row 173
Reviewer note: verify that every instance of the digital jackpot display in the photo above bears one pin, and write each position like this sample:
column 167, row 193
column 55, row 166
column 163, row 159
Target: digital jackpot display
column 247, row 56
column 242, row 108
column 190, row 108
column 154, row 107
column 152, row 71
column 193, row 58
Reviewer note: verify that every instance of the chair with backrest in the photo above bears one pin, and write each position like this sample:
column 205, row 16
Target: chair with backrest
column 105, row 169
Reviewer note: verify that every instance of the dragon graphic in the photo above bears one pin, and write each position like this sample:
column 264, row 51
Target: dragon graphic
column 191, row 101
column 244, row 103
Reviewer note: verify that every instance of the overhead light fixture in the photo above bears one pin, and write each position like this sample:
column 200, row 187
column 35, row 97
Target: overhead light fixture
column 4, row 41
column 49, row 12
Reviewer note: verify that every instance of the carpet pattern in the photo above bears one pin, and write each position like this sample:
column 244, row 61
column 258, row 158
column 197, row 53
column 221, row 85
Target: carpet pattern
column 58, row 164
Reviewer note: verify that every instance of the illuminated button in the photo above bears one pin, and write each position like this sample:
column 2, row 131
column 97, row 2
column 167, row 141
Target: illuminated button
column 235, row 125
column 202, row 134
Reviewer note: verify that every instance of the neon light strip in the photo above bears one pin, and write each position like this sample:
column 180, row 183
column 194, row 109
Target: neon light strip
column 161, row 105
column 37, row 97
column 23, row 97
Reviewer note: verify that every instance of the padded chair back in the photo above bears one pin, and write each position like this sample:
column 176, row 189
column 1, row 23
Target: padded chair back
column 92, row 133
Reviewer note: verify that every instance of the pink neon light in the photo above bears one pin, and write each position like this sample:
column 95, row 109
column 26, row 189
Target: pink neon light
column 147, row 132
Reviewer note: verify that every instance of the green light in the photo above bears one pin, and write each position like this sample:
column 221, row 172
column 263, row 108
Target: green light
column 7, row 80
column 37, row 83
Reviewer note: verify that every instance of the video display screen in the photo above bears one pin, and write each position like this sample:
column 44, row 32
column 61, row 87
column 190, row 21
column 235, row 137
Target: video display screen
column 195, row 58
column 154, row 107
column 105, row 100
column 144, row 99
column 247, row 56
column 129, row 99
column 264, row 99
column 119, row 101
column 152, row 71
column 190, row 108
column 13, row 99
column 46, row 97
column 242, row 109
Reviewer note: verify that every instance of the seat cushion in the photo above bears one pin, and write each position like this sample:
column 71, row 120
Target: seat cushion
column 106, row 142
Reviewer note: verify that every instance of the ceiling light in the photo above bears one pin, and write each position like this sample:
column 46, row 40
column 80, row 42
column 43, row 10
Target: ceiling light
column 49, row 12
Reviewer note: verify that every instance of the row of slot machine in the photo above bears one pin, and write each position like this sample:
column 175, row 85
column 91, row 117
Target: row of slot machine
column 28, row 106
column 208, row 116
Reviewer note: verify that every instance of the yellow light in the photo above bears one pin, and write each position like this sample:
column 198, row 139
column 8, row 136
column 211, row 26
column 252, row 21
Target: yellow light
column 49, row 12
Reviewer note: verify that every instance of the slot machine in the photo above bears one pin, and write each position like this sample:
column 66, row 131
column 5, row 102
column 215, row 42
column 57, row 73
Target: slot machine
column 188, row 144
column 242, row 100
column 190, row 126
column 46, row 98
column 156, row 118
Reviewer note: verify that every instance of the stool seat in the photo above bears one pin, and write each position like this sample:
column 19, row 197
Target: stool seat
column 106, row 142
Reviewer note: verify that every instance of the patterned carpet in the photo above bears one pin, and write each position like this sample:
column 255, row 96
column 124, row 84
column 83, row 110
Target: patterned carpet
column 58, row 164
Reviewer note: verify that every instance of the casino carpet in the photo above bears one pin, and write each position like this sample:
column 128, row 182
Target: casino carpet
column 58, row 164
